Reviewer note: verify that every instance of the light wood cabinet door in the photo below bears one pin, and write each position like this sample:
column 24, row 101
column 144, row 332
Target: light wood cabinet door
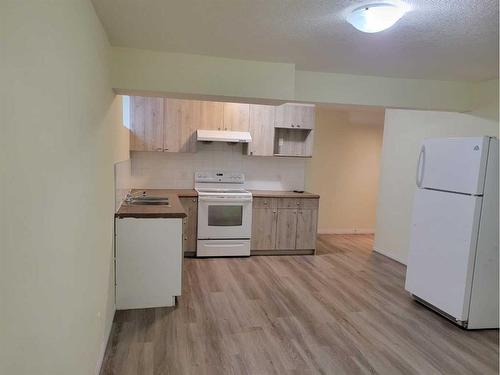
column 211, row 115
column 286, row 229
column 137, row 123
column 307, row 222
column 181, row 121
column 236, row 116
column 304, row 116
column 296, row 116
column 261, row 127
column 263, row 229
column 146, row 123
column 189, row 224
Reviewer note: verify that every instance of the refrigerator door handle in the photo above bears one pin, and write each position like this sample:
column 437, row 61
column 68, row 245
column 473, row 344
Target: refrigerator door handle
column 420, row 167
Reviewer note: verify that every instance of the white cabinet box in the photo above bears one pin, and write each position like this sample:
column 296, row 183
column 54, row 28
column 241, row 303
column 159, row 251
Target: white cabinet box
column 148, row 261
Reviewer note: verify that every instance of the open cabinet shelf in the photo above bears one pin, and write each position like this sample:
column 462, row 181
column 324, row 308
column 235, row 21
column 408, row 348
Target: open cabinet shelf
column 293, row 142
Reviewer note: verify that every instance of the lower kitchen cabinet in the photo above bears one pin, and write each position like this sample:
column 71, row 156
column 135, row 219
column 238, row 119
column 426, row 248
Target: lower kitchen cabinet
column 189, row 225
column 284, row 225
column 148, row 262
column 286, row 229
column 307, row 223
column 263, row 228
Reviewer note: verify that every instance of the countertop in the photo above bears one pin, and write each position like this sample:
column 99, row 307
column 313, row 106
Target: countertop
column 174, row 210
column 185, row 193
column 281, row 194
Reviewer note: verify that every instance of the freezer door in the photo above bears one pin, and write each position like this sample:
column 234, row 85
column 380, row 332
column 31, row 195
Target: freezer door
column 453, row 164
column 442, row 249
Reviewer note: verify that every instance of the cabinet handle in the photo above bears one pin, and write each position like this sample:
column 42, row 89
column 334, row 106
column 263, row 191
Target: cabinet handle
column 293, row 125
column 298, row 203
column 194, row 199
column 185, row 238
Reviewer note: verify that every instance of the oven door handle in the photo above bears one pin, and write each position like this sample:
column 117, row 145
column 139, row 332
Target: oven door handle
column 224, row 200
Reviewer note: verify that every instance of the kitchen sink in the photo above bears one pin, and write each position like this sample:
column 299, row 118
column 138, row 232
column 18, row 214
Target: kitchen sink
column 149, row 201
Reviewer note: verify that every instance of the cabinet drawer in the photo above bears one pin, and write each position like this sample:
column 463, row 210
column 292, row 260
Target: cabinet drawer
column 288, row 203
column 309, row 203
column 264, row 203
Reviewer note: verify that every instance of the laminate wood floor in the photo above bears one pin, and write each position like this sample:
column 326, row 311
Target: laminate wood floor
column 343, row 311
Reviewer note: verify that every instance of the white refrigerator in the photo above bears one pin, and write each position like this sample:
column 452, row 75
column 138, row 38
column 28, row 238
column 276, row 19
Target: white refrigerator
column 453, row 260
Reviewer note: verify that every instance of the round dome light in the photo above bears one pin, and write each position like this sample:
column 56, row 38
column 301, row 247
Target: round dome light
column 372, row 18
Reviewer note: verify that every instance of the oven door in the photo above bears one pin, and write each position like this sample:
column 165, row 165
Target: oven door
column 221, row 217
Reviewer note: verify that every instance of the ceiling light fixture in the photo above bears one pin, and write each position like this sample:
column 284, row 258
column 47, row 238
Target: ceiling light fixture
column 372, row 18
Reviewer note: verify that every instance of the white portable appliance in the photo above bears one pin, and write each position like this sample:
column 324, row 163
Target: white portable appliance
column 453, row 260
column 224, row 214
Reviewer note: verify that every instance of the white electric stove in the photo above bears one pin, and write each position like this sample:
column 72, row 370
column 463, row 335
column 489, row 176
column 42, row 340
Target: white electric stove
column 224, row 214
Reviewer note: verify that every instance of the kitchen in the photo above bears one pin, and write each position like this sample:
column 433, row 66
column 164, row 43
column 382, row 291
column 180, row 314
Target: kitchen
column 249, row 187
column 219, row 216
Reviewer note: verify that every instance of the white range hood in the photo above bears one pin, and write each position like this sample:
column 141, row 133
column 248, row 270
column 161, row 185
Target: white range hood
column 223, row 136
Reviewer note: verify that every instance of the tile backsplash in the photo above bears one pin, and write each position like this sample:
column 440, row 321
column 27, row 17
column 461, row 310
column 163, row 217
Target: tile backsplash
column 157, row 170
column 122, row 181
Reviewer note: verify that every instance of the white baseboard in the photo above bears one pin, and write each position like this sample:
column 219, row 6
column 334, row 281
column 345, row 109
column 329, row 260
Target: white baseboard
column 347, row 231
column 104, row 345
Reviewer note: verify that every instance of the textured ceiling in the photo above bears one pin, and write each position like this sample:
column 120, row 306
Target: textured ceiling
column 437, row 39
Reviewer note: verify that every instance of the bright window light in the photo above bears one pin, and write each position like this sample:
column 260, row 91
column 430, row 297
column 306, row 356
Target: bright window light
column 372, row 18
column 126, row 111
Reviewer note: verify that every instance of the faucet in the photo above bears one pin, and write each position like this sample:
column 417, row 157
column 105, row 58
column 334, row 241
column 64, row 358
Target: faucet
column 130, row 196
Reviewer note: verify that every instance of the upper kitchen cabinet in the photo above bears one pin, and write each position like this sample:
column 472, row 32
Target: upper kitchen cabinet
column 293, row 142
column 165, row 124
column 294, row 130
column 300, row 116
column 182, row 118
column 146, row 123
column 236, row 116
column 261, row 127
column 211, row 115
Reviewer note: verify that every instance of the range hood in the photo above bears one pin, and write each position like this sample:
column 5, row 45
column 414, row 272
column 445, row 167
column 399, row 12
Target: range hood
column 223, row 136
